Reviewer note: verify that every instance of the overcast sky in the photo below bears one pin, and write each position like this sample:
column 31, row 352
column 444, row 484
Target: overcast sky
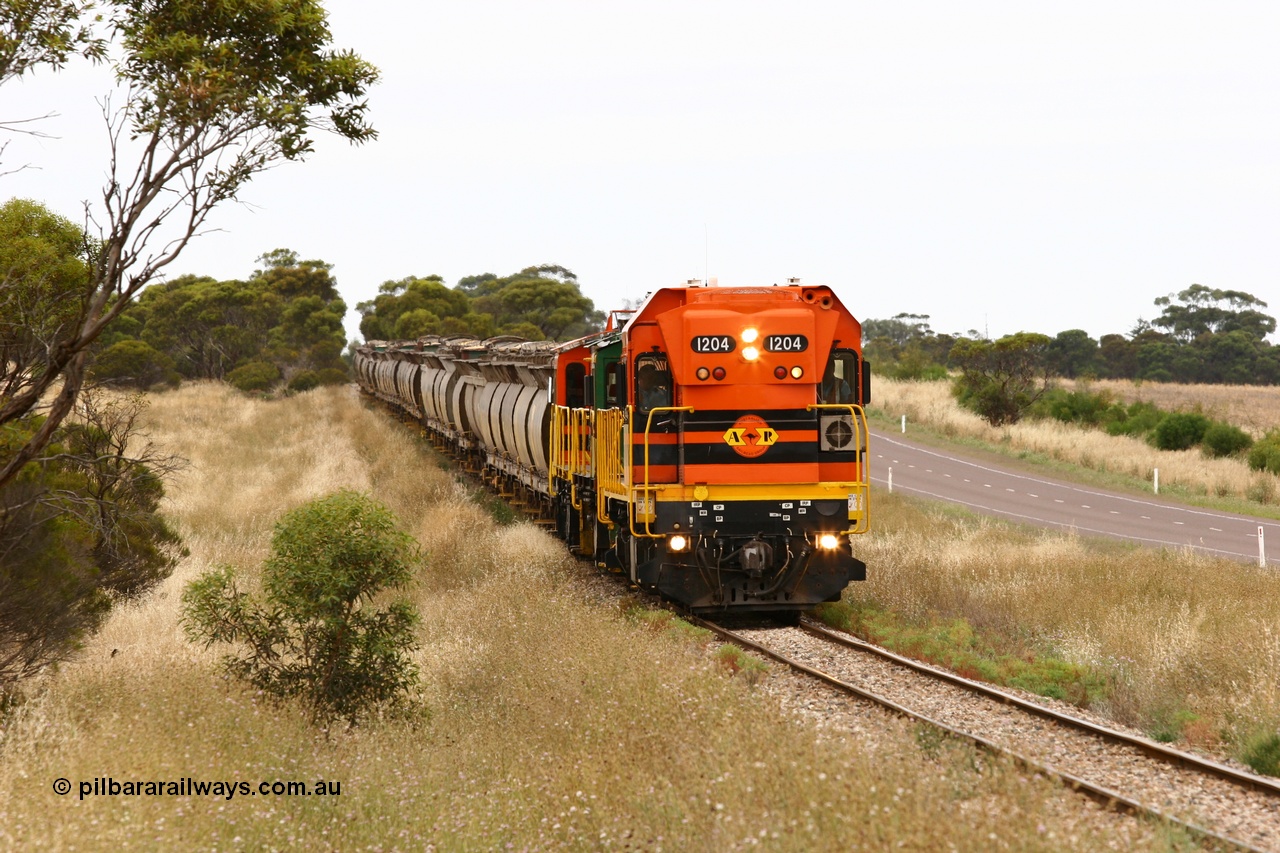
column 998, row 166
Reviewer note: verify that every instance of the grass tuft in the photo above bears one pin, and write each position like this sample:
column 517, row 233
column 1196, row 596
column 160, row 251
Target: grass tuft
column 988, row 656
column 751, row 669
column 1262, row 753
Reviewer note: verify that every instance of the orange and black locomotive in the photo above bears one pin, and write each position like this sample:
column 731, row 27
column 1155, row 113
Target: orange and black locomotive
column 712, row 444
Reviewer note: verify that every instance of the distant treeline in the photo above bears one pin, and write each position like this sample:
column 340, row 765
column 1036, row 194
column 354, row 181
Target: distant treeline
column 282, row 326
column 1201, row 335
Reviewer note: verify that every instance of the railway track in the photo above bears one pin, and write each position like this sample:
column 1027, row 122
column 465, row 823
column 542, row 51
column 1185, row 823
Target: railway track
column 1223, row 806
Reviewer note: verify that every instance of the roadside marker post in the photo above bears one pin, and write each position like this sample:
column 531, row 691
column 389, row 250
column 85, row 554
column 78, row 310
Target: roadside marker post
column 904, row 424
column 1262, row 549
column 1156, row 481
column 890, row 481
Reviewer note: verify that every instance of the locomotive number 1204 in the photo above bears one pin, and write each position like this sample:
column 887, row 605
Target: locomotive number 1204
column 713, row 343
column 786, row 343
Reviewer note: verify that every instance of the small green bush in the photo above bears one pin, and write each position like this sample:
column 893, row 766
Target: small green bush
column 304, row 380
column 1224, row 440
column 1262, row 753
column 317, row 635
column 1075, row 407
column 1180, row 430
column 1265, row 455
column 334, row 376
column 254, row 376
column 1138, row 419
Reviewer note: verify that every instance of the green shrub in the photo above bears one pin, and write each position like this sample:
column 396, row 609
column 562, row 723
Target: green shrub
column 317, row 636
column 334, row 376
column 1180, row 430
column 134, row 364
column 1262, row 753
column 1224, row 440
column 1137, row 419
column 254, row 376
column 1075, row 407
column 304, row 380
column 1265, row 455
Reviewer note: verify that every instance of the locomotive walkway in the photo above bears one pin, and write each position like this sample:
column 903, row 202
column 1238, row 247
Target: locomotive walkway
column 988, row 488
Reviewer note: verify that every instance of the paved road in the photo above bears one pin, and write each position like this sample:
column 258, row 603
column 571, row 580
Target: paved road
column 927, row 472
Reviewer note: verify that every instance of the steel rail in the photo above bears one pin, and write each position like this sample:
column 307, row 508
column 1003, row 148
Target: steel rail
column 1107, row 797
column 1157, row 750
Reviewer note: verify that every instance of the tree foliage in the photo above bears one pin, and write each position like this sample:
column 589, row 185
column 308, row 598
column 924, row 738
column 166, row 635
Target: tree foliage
column 44, row 32
column 1001, row 379
column 286, row 317
column 1201, row 335
column 1072, row 354
column 905, row 347
column 79, row 527
column 216, row 92
column 44, row 273
column 543, row 302
column 1201, row 310
column 315, row 634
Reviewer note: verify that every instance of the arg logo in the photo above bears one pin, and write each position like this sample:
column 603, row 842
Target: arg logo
column 750, row 436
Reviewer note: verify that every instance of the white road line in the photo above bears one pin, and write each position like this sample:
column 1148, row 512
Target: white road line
column 886, row 439
column 1079, row 529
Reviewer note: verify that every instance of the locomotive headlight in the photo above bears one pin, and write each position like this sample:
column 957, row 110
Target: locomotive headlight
column 677, row 543
column 750, row 353
column 828, row 541
column 749, row 335
column 703, row 373
column 797, row 372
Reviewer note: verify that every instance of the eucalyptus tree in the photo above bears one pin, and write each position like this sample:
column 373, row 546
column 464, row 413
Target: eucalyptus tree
column 213, row 92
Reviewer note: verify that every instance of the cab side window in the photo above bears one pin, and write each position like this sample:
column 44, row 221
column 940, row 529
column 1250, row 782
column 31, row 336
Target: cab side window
column 653, row 381
column 839, row 378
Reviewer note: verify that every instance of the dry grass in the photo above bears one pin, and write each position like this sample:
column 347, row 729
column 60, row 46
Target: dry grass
column 1189, row 643
column 931, row 405
column 547, row 722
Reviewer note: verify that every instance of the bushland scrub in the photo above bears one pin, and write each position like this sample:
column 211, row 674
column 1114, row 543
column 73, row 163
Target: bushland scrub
column 544, row 721
column 1253, row 408
column 1119, row 461
column 1182, row 646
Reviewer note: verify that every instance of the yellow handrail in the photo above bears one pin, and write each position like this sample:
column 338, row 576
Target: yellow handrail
column 610, row 465
column 860, row 486
column 570, row 453
column 646, row 489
